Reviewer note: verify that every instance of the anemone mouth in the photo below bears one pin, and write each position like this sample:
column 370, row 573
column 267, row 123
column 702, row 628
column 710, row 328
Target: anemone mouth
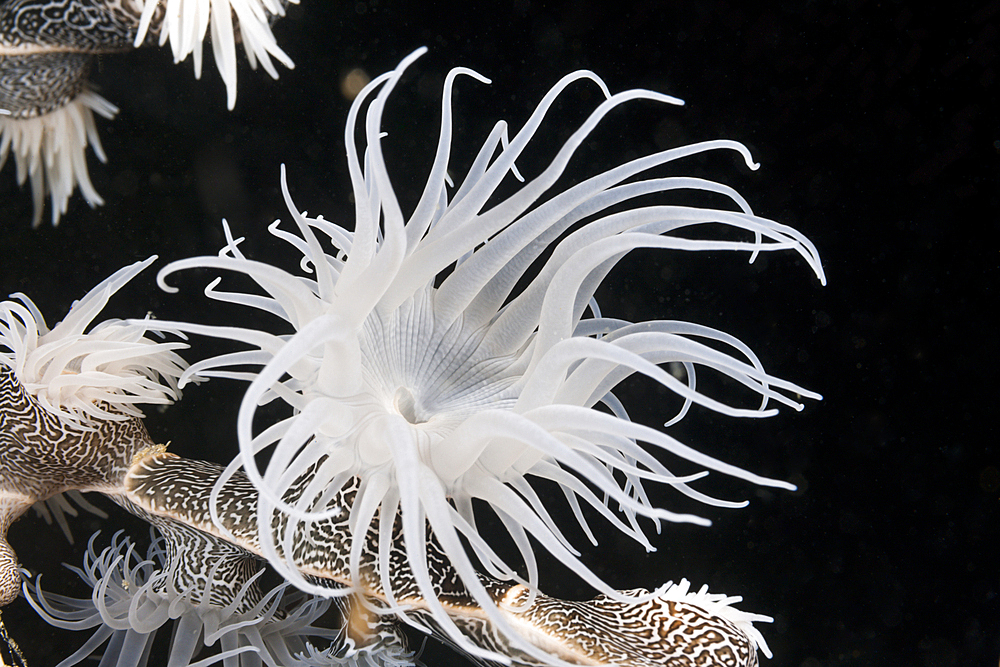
column 437, row 411
column 433, row 376
column 406, row 405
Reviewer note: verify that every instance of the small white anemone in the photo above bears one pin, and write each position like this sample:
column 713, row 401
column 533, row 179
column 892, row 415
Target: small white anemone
column 458, row 354
column 134, row 598
column 50, row 149
column 83, row 375
column 716, row 604
column 186, row 22
column 390, row 651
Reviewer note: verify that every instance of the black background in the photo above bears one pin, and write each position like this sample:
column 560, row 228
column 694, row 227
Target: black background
column 877, row 128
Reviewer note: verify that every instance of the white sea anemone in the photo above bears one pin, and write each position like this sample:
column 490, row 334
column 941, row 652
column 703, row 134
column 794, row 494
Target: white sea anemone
column 133, row 598
column 186, row 22
column 51, row 150
column 449, row 356
column 90, row 375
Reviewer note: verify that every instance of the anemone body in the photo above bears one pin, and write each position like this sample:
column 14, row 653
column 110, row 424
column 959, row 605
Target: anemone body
column 456, row 354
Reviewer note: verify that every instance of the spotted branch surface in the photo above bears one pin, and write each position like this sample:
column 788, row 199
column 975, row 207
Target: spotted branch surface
column 646, row 629
column 41, row 455
column 46, row 49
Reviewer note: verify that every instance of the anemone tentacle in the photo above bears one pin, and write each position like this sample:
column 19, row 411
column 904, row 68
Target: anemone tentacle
column 186, row 23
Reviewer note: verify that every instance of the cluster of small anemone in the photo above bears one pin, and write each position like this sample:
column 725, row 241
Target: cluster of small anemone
column 433, row 367
column 134, row 597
